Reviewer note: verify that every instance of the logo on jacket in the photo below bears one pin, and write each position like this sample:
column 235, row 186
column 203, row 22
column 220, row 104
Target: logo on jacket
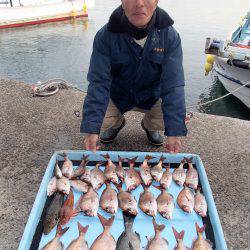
column 159, row 50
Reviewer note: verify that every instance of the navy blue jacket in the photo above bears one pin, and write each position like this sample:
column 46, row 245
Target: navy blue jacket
column 134, row 77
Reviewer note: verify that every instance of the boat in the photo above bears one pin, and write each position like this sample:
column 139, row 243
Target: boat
column 229, row 60
column 17, row 13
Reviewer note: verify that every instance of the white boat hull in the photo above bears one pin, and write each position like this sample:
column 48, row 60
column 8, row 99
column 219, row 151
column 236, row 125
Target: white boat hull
column 34, row 14
column 232, row 78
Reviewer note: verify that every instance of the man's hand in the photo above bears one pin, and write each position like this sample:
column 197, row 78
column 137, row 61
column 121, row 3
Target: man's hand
column 173, row 145
column 91, row 142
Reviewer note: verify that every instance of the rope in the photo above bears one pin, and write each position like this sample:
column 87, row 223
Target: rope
column 219, row 98
column 52, row 86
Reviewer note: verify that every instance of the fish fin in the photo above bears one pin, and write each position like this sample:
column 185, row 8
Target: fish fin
column 82, row 229
column 60, row 231
column 162, row 158
column 183, row 160
column 178, row 236
column 149, row 157
column 106, row 156
column 200, row 230
column 158, row 227
column 190, row 160
column 105, row 222
column 130, row 246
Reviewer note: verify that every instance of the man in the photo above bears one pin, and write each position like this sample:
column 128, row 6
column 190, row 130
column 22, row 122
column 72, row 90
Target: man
column 136, row 64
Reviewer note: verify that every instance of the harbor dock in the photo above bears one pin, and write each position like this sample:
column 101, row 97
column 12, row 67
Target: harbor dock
column 32, row 128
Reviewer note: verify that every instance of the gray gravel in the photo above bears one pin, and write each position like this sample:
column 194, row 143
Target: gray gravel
column 33, row 128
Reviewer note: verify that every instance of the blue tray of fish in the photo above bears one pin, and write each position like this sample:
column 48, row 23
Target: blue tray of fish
column 139, row 200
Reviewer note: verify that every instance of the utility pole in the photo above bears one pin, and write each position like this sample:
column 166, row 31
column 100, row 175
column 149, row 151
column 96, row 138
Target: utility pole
column 11, row 3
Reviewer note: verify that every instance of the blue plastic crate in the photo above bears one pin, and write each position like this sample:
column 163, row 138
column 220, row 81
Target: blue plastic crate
column 143, row 224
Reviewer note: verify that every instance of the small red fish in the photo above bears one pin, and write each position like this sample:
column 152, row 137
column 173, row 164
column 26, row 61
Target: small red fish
column 67, row 210
column 166, row 179
column 200, row 243
column 67, row 167
column 120, row 170
column 56, row 243
column 145, row 171
column 132, row 178
column 80, row 243
column 179, row 174
column 179, row 239
column 126, row 202
column 147, row 202
column 110, row 170
column 82, row 167
column 191, row 175
column 185, row 200
column 200, row 204
column 156, row 171
column 105, row 240
column 157, row 243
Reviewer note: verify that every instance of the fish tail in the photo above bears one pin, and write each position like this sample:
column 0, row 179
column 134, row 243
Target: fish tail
column 81, row 229
column 178, row 236
column 118, row 185
column 106, row 156
column 158, row 187
column 200, row 230
column 120, row 158
column 149, row 157
column 100, row 163
column 183, row 160
column 132, row 161
column 162, row 158
column 60, row 231
column 157, row 227
column 106, row 223
column 85, row 157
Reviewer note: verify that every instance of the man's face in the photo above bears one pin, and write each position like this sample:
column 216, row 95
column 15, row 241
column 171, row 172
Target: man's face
column 139, row 12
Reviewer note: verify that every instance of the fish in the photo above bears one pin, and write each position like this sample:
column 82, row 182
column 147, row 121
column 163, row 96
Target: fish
column 79, row 185
column 88, row 203
column 185, row 200
column 80, row 243
column 156, row 171
column 52, row 186
column 132, row 178
column 52, row 214
column 126, row 202
column 67, row 167
column 167, row 177
column 79, row 171
column 63, row 185
column 200, row 243
column 179, row 174
column 157, row 243
column 144, row 171
column 67, row 209
column 128, row 239
column 165, row 203
column 97, row 177
column 57, row 171
column 179, row 239
column 200, row 204
column 147, row 202
column 191, row 175
column 105, row 240
column 120, row 170
column 109, row 200
column 56, row 244
column 110, row 170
